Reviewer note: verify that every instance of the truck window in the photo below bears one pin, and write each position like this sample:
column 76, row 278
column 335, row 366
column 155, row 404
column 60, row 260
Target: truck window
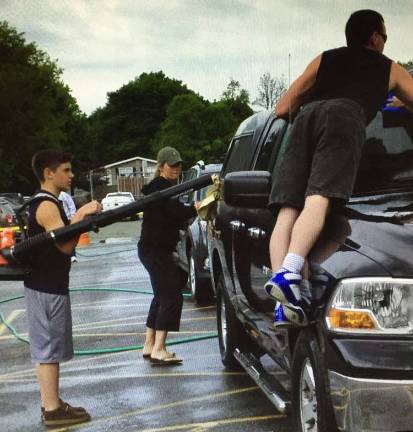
column 387, row 158
column 240, row 154
column 268, row 151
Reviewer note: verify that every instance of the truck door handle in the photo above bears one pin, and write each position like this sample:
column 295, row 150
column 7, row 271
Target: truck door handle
column 256, row 233
column 237, row 225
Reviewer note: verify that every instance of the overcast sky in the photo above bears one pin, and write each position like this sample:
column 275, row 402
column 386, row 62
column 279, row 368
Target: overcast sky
column 103, row 44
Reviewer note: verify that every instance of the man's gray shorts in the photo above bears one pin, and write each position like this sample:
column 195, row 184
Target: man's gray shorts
column 49, row 319
column 322, row 155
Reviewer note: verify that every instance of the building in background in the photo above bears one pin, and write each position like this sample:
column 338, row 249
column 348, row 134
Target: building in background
column 128, row 175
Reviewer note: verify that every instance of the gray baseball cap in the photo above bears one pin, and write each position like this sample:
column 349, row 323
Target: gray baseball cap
column 169, row 155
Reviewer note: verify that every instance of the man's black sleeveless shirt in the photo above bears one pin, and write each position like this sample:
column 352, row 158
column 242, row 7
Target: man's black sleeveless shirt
column 50, row 266
column 359, row 74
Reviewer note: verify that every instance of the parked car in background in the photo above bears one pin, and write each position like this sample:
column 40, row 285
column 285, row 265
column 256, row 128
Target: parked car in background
column 15, row 199
column 192, row 246
column 351, row 368
column 117, row 199
column 7, row 216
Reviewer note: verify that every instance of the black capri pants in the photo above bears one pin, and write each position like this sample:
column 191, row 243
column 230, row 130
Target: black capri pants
column 167, row 280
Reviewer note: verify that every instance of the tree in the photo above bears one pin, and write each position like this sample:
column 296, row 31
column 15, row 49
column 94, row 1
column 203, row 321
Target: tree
column 408, row 65
column 235, row 92
column 184, row 127
column 126, row 125
column 37, row 110
column 200, row 129
column 270, row 90
column 237, row 99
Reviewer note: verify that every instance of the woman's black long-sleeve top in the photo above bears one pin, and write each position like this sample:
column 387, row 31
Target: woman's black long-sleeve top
column 163, row 220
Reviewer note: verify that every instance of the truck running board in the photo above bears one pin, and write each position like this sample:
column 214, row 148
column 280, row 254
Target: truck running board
column 268, row 384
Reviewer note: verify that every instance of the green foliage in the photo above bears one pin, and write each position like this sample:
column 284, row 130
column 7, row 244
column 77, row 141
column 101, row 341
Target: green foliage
column 235, row 92
column 237, row 99
column 37, row 110
column 132, row 116
column 408, row 65
column 200, row 129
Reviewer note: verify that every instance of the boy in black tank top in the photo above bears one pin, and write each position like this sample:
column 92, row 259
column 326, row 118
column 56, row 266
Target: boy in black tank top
column 46, row 288
column 341, row 91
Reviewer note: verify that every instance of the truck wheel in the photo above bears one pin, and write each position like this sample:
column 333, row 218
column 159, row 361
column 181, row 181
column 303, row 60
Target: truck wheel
column 313, row 410
column 201, row 289
column 231, row 334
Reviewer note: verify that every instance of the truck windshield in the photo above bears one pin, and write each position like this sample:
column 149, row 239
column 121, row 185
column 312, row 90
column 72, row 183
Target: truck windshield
column 387, row 160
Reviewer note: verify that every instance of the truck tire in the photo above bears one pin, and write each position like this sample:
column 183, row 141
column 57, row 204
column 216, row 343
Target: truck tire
column 231, row 334
column 312, row 405
column 200, row 288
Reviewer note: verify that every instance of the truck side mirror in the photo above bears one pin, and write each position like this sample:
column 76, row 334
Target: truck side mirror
column 247, row 189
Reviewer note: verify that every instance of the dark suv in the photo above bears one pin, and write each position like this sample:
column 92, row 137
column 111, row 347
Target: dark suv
column 351, row 368
column 192, row 247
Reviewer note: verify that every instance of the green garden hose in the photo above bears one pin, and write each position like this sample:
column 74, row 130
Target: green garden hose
column 18, row 336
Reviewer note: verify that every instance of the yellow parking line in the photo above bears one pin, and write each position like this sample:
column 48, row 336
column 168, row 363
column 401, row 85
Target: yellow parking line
column 112, row 306
column 10, row 318
column 77, row 335
column 143, row 375
column 123, row 324
column 73, row 363
column 164, row 406
column 201, row 427
column 112, row 302
column 135, row 317
column 10, row 336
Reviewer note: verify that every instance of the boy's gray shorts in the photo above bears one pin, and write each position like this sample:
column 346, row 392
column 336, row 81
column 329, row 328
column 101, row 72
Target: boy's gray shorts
column 49, row 320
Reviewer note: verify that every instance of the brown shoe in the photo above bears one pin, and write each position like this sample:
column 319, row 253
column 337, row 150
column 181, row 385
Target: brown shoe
column 65, row 415
column 62, row 402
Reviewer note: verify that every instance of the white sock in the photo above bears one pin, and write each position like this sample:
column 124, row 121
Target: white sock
column 293, row 263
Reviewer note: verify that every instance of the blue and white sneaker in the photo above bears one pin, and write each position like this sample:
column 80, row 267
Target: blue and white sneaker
column 279, row 318
column 284, row 286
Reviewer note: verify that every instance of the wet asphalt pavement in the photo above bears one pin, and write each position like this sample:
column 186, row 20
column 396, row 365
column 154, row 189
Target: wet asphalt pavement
column 108, row 376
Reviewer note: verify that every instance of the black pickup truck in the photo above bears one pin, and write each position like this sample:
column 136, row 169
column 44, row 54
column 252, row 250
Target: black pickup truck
column 351, row 368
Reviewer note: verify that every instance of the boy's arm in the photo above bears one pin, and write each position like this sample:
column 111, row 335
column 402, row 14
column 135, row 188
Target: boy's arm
column 48, row 216
column 298, row 92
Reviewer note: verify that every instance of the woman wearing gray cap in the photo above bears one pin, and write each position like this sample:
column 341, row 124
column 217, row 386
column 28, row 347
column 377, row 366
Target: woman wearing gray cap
column 159, row 236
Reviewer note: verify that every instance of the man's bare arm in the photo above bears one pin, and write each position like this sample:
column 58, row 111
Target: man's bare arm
column 401, row 83
column 298, row 92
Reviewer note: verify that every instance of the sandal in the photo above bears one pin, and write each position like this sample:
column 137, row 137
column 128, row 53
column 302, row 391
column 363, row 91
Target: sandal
column 170, row 359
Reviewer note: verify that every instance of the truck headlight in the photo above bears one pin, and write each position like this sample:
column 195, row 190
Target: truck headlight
column 372, row 305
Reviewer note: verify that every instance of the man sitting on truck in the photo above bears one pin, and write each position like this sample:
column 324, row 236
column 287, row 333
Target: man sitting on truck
column 337, row 95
